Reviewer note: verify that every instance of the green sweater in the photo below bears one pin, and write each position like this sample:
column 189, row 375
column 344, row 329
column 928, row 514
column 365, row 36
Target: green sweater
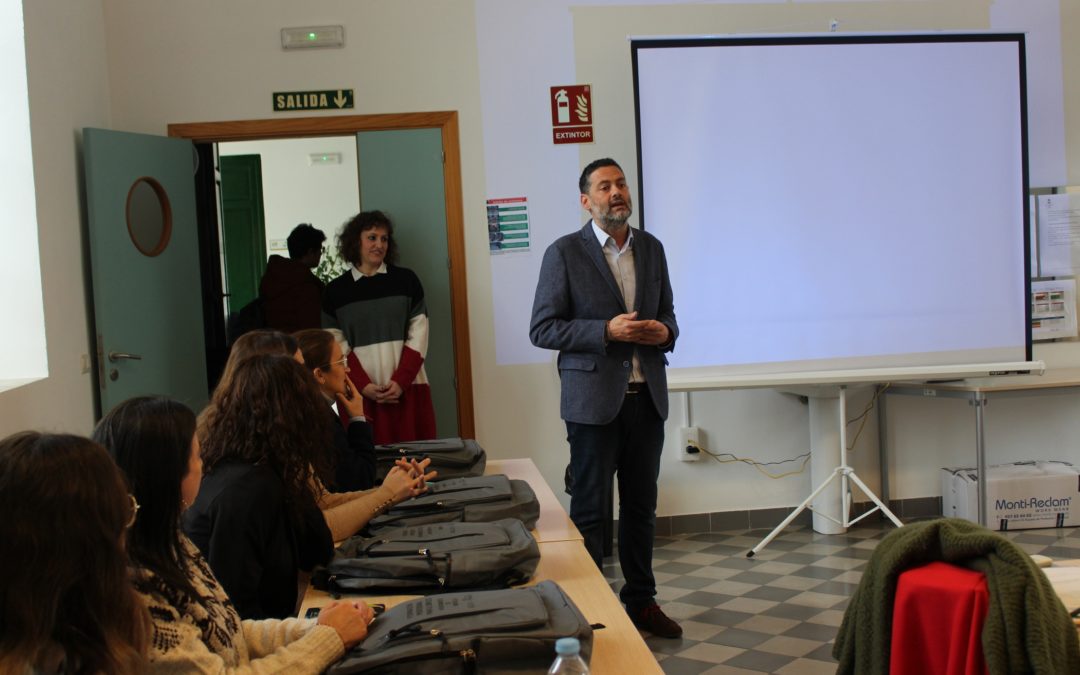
column 1027, row 629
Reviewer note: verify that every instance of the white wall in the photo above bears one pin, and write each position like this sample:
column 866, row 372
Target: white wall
column 296, row 191
column 201, row 60
column 69, row 87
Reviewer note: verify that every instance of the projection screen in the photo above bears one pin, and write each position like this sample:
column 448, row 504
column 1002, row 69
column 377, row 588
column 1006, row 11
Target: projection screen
column 838, row 208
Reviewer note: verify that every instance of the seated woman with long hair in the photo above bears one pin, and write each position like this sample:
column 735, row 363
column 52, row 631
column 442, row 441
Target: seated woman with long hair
column 354, row 459
column 196, row 629
column 346, row 512
column 324, row 357
column 256, row 518
column 253, row 343
column 66, row 605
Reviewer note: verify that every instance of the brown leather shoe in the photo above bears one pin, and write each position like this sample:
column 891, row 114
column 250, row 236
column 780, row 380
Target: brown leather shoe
column 651, row 618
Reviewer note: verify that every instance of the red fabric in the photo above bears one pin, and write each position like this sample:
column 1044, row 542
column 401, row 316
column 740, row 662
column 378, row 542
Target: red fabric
column 938, row 617
column 412, row 418
column 408, row 366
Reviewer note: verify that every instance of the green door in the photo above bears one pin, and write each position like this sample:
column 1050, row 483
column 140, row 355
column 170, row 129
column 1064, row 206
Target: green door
column 401, row 174
column 144, row 267
column 243, row 227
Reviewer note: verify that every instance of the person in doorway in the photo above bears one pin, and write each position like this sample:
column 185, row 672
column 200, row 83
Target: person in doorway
column 291, row 294
column 604, row 301
column 380, row 308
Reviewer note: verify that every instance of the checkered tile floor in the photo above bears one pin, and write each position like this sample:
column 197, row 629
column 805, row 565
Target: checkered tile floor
column 777, row 612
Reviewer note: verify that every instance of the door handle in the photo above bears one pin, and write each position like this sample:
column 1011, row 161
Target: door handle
column 116, row 356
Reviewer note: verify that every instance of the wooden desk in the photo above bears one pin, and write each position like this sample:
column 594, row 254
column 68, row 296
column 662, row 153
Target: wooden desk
column 617, row 648
column 554, row 523
column 1064, row 576
column 977, row 391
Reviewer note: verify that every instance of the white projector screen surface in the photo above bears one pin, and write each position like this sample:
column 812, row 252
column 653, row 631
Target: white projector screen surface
column 838, row 204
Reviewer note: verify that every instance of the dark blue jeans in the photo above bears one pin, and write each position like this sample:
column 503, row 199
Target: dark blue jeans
column 627, row 447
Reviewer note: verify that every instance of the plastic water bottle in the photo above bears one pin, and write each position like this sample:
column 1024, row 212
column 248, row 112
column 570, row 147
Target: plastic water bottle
column 568, row 661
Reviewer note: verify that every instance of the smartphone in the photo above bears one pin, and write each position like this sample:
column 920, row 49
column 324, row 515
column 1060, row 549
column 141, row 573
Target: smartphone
column 313, row 612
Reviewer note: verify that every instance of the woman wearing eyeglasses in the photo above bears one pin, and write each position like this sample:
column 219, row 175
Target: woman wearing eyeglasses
column 355, row 473
column 354, row 448
column 196, row 629
column 66, row 605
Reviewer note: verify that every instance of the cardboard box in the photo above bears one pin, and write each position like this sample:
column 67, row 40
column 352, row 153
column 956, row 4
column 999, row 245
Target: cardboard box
column 1021, row 496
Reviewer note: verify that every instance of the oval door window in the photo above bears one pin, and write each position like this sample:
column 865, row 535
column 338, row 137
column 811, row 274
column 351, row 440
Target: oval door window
column 149, row 217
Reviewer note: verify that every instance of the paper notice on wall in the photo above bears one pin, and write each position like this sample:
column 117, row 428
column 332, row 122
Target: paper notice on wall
column 1059, row 234
column 508, row 224
column 1053, row 309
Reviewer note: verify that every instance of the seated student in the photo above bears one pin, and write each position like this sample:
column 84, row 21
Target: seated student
column 66, row 605
column 195, row 627
column 256, row 518
column 348, row 513
column 260, row 341
column 345, row 512
column 355, row 450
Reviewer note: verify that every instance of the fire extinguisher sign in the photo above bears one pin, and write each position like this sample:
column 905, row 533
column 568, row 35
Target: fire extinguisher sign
column 571, row 114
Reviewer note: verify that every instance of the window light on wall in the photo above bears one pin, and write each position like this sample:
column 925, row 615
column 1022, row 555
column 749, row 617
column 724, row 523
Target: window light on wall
column 23, row 358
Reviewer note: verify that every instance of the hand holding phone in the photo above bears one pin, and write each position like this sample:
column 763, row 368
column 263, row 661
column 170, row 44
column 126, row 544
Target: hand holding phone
column 349, row 618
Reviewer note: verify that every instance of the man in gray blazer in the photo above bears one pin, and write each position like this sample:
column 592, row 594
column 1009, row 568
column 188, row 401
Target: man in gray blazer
column 604, row 301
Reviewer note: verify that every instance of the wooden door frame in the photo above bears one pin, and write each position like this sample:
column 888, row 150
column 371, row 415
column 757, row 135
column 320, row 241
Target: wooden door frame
column 447, row 123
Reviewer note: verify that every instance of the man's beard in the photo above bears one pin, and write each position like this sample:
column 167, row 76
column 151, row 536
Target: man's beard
column 615, row 220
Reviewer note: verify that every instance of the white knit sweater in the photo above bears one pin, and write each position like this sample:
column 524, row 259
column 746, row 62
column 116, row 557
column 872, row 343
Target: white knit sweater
column 205, row 634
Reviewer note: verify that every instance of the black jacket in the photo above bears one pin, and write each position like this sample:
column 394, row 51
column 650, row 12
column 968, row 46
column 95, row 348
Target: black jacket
column 354, row 455
column 240, row 523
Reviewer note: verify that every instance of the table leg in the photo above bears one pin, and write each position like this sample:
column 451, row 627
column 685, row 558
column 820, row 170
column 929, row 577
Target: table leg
column 978, row 400
column 883, row 451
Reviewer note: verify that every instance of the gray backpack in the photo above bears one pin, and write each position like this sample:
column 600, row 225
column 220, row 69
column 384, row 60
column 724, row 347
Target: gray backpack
column 468, row 500
column 451, row 457
column 432, row 557
column 511, row 630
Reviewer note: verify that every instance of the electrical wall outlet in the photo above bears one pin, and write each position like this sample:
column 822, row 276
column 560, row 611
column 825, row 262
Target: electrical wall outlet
column 689, row 437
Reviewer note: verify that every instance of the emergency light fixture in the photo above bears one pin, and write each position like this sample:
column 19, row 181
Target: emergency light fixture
column 312, row 37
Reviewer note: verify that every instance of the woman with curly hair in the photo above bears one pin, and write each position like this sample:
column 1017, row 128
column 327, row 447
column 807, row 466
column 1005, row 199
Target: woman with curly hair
column 380, row 308
column 66, row 605
column 196, row 629
column 256, row 517
column 353, row 502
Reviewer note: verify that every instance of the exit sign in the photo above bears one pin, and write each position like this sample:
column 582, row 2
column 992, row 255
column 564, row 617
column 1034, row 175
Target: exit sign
column 322, row 99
